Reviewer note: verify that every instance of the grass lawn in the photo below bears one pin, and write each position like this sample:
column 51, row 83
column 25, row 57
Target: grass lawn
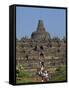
column 25, row 76
column 60, row 74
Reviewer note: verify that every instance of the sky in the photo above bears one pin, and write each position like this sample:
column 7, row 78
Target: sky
column 27, row 20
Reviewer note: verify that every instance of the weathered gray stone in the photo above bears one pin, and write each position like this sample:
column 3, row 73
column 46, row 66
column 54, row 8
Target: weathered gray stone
column 40, row 47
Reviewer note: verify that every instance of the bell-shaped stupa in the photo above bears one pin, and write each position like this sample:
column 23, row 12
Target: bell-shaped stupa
column 40, row 33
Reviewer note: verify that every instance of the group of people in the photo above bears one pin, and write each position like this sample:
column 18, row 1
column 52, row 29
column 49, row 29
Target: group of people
column 43, row 73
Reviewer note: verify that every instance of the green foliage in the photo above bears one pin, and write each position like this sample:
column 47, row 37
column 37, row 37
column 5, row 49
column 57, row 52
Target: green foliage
column 20, row 72
column 24, row 74
column 60, row 74
column 23, row 77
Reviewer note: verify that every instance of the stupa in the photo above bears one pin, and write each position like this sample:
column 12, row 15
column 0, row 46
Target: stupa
column 40, row 33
